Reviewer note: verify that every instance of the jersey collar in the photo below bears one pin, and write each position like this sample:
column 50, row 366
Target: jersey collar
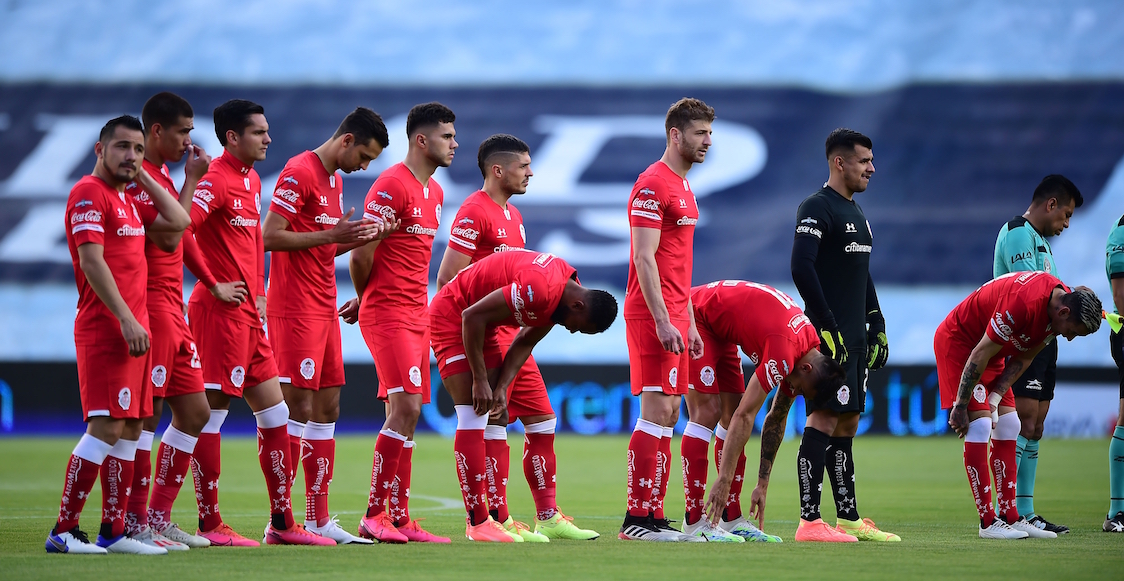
column 235, row 163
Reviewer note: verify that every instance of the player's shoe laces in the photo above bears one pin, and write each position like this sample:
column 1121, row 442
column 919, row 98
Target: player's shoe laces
column 333, row 530
column 152, row 538
column 413, row 531
column 710, row 533
column 523, row 531
column 173, row 532
column 489, row 531
column 123, row 544
column 75, row 542
column 1032, row 531
column 1001, row 530
column 224, row 536
column 664, row 524
column 1114, row 524
column 865, row 530
column 1046, row 525
column 748, row 531
column 380, row 528
column 820, row 532
column 298, row 535
column 643, row 528
column 561, row 526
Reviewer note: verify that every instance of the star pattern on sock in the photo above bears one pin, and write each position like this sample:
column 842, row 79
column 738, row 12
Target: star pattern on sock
column 806, row 510
column 179, row 478
column 472, row 500
column 282, row 504
column 846, row 504
column 111, row 514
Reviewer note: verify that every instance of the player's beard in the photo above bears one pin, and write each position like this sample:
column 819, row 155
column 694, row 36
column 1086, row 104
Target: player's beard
column 120, row 174
column 692, row 154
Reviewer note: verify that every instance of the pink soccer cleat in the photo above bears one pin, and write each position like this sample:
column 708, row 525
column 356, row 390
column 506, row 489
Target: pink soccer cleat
column 820, row 532
column 298, row 535
column 380, row 528
column 413, row 531
column 224, row 536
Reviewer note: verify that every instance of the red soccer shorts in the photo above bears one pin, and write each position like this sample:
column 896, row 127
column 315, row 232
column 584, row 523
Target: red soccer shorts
column 952, row 355
column 235, row 354
column 651, row 368
column 112, row 383
column 401, row 353
column 308, row 352
column 174, row 367
column 719, row 370
column 448, row 341
column 526, row 396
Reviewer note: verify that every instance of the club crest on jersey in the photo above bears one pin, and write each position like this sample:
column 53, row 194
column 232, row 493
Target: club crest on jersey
column 308, row 368
column 707, row 375
column 843, row 395
column 238, row 376
column 124, row 398
column 415, row 376
column 979, row 393
column 673, row 376
column 159, row 375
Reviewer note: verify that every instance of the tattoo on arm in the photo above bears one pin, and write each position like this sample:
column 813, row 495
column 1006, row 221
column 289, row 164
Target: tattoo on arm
column 1011, row 371
column 772, row 433
column 967, row 382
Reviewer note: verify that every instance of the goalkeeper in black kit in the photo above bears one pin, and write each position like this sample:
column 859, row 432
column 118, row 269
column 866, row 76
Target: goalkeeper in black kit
column 831, row 269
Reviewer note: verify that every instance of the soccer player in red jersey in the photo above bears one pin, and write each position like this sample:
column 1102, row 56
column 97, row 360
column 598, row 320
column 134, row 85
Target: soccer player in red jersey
column 236, row 356
column 518, row 288
column 106, row 237
column 982, row 347
column 305, row 229
column 391, row 278
column 173, row 368
column 659, row 324
column 487, row 223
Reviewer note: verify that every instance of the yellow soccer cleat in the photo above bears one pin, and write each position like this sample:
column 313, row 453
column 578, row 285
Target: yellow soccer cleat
column 521, row 533
column 865, row 530
column 561, row 526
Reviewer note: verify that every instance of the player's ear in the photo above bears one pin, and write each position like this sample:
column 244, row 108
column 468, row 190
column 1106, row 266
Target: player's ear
column 347, row 140
column 98, row 148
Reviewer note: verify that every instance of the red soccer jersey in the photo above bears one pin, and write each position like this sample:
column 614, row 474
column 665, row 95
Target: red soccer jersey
column 1011, row 309
column 224, row 218
column 302, row 283
column 483, row 228
column 532, row 284
column 664, row 201
column 396, row 289
column 765, row 322
column 165, row 269
column 96, row 213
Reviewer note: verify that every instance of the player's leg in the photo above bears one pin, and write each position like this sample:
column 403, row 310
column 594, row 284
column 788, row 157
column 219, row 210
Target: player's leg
column 1114, row 520
column 299, row 402
column 136, row 514
column 102, row 433
column 663, row 457
column 190, row 414
column 1005, row 470
column 1033, row 392
column 704, row 410
column 497, row 462
column 810, row 461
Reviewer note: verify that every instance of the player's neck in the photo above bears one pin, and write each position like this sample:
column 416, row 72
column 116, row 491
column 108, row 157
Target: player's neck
column 246, row 162
column 496, row 194
column 673, row 160
column 1035, row 220
column 152, row 154
column 419, row 165
column 328, row 156
column 103, row 175
column 836, row 183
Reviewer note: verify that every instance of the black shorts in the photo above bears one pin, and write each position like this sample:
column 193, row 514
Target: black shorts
column 1116, row 344
column 851, row 397
column 1038, row 381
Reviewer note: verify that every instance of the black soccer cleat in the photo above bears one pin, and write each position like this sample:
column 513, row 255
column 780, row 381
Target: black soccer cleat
column 642, row 528
column 1114, row 524
column 1046, row 525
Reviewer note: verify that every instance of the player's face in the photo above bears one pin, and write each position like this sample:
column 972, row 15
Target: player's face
column 354, row 157
column 1064, row 327
column 578, row 322
column 120, row 156
column 857, row 168
column 1059, row 216
column 174, row 139
column 694, row 141
column 441, row 144
column 517, row 174
column 254, row 140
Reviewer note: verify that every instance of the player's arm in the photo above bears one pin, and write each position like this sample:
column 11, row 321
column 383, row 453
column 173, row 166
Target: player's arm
column 1012, row 370
column 981, row 354
column 346, row 233
column 453, row 262
column 811, row 226
column 91, row 259
column 475, row 320
column 171, row 217
column 517, row 354
column 772, row 434
column 259, row 293
column 645, row 241
column 877, row 345
column 1117, row 285
column 741, row 427
column 228, row 292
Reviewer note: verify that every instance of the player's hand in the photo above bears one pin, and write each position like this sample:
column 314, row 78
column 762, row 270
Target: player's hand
column 499, row 404
column 669, row 337
column 135, row 336
column 716, row 500
column 993, row 400
column 346, row 231
column 259, row 303
column 694, row 343
column 386, row 229
column 877, row 347
column 349, row 312
column 757, row 505
column 958, row 419
column 481, row 397
column 831, row 343
column 197, row 163
column 230, row 292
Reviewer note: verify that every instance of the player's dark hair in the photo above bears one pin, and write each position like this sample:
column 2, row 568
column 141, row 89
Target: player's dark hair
column 602, row 309
column 427, row 115
column 165, row 109
column 234, row 115
column 684, row 111
column 126, row 121
column 830, row 376
column 365, row 125
column 845, row 139
column 1084, row 307
column 1059, row 187
column 498, row 144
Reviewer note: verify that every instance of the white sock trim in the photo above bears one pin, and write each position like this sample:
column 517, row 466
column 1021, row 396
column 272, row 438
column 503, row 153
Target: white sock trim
column 409, row 444
column 979, row 431
column 144, row 442
column 273, row 417
column 720, row 432
column 179, row 440
column 392, row 434
column 698, row 431
column 543, row 427
column 652, row 429
column 296, row 428
column 91, row 449
column 495, row 433
column 1008, row 427
column 668, row 432
column 468, row 420
column 124, row 450
column 319, row 431
column 215, row 423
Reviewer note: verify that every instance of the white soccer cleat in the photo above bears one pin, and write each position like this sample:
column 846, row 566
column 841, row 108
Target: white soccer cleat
column 154, row 539
column 1032, row 531
column 1001, row 530
column 72, row 542
column 334, row 531
column 644, row 529
column 711, row 533
column 123, row 544
column 175, row 533
column 747, row 530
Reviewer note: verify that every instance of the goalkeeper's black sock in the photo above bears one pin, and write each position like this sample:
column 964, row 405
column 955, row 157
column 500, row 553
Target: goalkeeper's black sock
column 841, row 466
column 809, row 471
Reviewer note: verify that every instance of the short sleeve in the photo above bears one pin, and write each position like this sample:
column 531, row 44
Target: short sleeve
column 208, row 196
column 293, row 189
column 813, row 219
column 86, row 215
column 1016, row 252
column 533, row 296
column 1114, row 252
column 648, row 202
column 470, row 222
column 386, row 200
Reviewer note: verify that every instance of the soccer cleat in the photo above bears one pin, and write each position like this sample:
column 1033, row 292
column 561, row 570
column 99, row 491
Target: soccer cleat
column 710, row 533
column 155, row 539
column 1001, row 530
column 865, row 530
column 643, row 528
column 523, row 531
column 1047, row 525
column 820, row 532
column 72, row 542
column 124, row 545
column 298, row 535
column 1032, row 531
column 665, row 525
column 561, row 526
column 333, row 530
column 1114, row 524
column 490, row 531
column 175, row 533
column 413, row 531
column 224, row 536
column 380, row 528
column 748, row 531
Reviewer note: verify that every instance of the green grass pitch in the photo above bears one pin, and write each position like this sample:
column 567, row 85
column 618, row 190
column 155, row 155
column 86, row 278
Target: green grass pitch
column 915, row 487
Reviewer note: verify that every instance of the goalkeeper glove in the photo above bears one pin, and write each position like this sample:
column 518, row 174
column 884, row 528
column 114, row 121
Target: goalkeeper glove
column 877, row 347
column 831, row 343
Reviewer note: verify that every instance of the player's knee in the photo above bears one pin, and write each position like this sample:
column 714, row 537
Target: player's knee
column 326, row 414
column 1028, row 428
column 1039, row 428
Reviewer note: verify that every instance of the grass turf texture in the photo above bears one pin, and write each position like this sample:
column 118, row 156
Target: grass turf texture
column 914, row 487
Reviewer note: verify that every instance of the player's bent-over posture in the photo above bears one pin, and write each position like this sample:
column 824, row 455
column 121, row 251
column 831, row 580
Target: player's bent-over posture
column 982, row 347
column 659, row 325
column 520, row 289
column 487, row 223
column 106, row 237
column 236, row 355
column 305, row 229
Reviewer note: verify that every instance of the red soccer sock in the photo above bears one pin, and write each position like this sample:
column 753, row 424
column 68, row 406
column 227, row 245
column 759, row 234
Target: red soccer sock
column 116, row 476
column 1006, row 474
column 642, row 450
column 471, row 457
column 384, row 466
column 172, row 464
column 400, row 491
column 206, row 466
column 276, row 465
column 540, row 468
column 663, row 472
column 81, row 473
column 296, row 452
column 498, row 469
column 733, row 508
column 319, row 455
column 693, row 449
column 975, row 464
column 136, row 515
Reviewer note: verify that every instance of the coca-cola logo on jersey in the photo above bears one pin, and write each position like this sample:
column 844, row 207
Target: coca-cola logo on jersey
column 286, row 194
column 466, row 233
column 381, row 210
column 650, row 204
column 87, row 216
